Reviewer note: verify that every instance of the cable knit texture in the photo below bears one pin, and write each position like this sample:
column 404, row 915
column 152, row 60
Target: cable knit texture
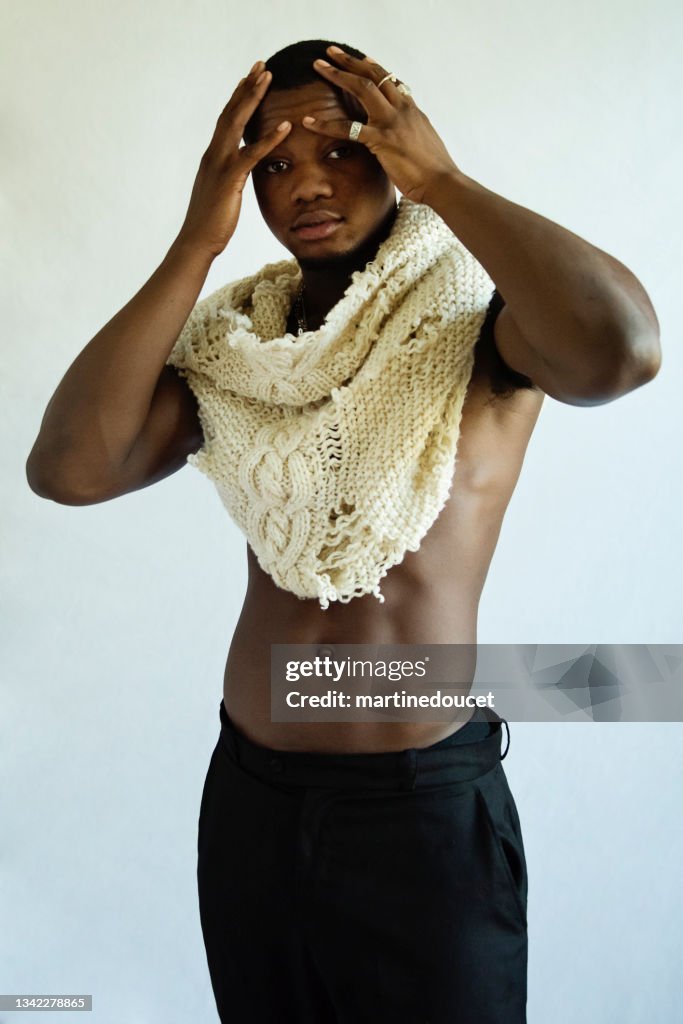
column 334, row 451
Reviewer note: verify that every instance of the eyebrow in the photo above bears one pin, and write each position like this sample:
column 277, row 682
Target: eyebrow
column 321, row 142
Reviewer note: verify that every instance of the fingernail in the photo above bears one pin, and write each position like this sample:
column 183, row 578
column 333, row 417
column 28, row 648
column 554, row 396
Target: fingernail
column 253, row 69
column 323, row 64
column 334, row 49
column 261, row 77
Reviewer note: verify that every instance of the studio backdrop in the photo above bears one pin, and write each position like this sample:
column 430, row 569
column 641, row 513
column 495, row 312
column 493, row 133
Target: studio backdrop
column 116, row 617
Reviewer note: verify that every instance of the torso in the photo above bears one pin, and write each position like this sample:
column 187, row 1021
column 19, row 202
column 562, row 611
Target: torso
column 432, row 596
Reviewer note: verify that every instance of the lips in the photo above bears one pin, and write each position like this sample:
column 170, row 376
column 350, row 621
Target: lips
column 320, row 230
column 314, row 217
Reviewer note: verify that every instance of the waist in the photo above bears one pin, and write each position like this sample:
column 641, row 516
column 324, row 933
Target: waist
column 413, row 612
column 465, row 755
column 273, row 616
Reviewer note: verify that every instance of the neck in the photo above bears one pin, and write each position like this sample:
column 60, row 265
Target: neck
column 325, row 280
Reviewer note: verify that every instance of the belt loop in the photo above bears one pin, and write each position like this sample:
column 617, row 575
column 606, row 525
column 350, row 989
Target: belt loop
column 507, row 728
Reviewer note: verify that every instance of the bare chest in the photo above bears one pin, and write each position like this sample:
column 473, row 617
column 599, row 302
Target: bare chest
column 494, row 437
column 453, row 559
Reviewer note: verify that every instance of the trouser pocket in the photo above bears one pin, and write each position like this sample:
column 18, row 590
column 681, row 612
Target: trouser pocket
column 501, row 824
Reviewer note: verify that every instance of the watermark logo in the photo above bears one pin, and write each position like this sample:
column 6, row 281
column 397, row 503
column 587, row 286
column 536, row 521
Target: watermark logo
column 437, row 682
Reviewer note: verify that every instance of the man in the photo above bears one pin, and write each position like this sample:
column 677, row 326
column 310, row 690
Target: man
column 351, row 871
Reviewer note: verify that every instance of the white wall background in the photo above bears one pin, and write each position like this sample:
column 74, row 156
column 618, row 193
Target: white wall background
column 117, row 618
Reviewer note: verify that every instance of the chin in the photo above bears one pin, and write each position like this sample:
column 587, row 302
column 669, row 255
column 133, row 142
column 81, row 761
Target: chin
column 330, row 259
column 350, row 253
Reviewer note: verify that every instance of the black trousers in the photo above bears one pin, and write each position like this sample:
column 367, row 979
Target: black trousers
column 354, row 888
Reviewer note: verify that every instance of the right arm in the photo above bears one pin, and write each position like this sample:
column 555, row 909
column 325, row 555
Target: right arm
column 120, row 418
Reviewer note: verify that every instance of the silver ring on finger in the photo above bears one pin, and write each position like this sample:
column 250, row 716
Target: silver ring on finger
column 354, row 130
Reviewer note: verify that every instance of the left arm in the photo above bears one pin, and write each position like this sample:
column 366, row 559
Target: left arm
column 576, row 321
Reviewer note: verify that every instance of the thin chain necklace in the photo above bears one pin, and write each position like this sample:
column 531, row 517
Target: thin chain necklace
column 300, row 309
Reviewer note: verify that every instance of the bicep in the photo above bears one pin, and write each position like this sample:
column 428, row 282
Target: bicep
column 524, row 363
column 170, row 433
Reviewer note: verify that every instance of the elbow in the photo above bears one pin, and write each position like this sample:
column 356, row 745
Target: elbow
column 36, row 475
column 47, row 480
column 649, row 367
column 618, row 340
column 641, row 343
column 636, row 360
column 635, row 337
column 44, row 484
column 640, row 348
column 627, row 338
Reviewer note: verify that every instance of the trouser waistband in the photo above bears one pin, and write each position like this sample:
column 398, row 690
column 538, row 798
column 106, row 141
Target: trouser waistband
column 406, row 769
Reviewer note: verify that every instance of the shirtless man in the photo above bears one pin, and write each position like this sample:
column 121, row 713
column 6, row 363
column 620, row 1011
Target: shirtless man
column 574, row 324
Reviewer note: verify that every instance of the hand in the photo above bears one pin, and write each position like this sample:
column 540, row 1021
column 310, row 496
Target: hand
column 216, row 198
column 397, row 133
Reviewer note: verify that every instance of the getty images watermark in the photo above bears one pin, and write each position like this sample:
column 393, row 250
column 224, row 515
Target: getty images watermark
column 440, row 682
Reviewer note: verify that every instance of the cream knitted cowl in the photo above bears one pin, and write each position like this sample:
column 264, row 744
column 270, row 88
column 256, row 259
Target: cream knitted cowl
column 334, row 451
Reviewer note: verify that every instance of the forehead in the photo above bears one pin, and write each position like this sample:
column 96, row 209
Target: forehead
column 318, row 99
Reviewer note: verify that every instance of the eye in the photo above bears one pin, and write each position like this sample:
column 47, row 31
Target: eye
column 345, row 150
column 267, row 166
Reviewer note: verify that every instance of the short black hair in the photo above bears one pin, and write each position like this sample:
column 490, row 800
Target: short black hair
column 292, row 67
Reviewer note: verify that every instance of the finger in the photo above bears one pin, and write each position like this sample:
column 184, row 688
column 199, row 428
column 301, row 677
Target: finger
column 360, row 66
column 238, row 110
column 255, row 151
column 241, row 88
column 361, row 86
column 368, row 66
column 339, row 129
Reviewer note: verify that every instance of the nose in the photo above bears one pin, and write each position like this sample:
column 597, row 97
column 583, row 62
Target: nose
column 310, row 181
